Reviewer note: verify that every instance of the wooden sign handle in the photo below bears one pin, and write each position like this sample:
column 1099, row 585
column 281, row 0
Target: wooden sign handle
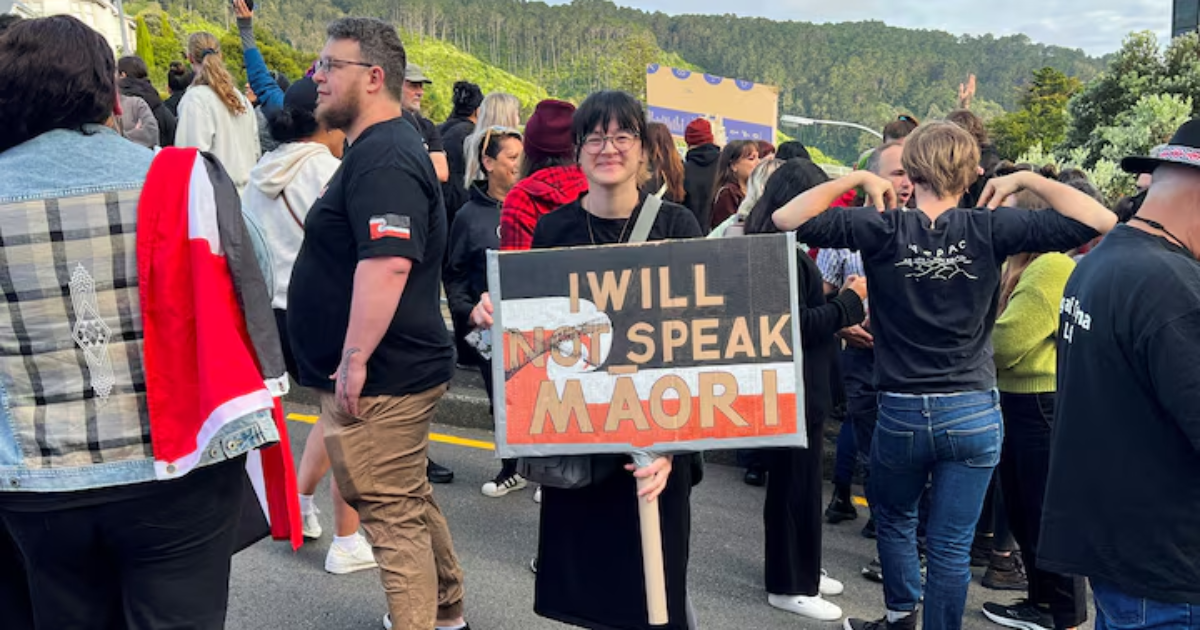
column 652, row 556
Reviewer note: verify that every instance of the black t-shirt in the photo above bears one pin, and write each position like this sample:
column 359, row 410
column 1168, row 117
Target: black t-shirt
column 568, row 226
column 383, row 201
column 431, row 137
column 934, row 290
column 1123, row 499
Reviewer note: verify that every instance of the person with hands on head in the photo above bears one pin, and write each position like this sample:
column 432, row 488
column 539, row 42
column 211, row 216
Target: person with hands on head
column 934, row 274
column 609, row 131
column 792, row 512
column 365, row 321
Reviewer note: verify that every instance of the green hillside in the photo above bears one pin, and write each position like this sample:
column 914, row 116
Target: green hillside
column 168, row 31
column 863, row 72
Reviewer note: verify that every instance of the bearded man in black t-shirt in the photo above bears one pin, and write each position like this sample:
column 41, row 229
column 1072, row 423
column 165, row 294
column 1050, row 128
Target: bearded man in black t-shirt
column 1122, row 503
column 366, row 324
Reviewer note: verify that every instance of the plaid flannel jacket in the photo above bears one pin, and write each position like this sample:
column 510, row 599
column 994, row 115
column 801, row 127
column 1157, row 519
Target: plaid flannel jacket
column 73, row 411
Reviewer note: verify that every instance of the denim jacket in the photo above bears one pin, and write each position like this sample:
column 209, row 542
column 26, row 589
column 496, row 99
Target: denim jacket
column 73, row 410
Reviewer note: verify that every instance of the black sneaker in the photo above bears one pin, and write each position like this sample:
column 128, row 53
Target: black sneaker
column 1005, row 573
column 874, row 571
column 868, row 530
column 755, row 476
column 907, row 623
column 438, row 473
column 1023, row 615
column 841, row 508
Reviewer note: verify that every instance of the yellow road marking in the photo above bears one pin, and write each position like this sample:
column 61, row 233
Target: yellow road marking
column 436, row 437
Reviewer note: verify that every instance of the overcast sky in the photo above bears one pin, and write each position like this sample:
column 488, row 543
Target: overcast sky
column 1096, row 26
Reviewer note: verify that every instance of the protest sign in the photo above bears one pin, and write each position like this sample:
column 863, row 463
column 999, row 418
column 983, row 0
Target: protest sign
column 737, row 109
column 670, row 346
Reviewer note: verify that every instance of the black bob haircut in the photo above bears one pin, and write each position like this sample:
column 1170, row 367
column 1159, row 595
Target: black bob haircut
column 791, row 149
column 601, row 109
column 55, row 73
column 796, row 176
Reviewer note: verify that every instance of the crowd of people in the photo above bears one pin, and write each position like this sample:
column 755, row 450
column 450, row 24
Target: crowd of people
column 1007, row 355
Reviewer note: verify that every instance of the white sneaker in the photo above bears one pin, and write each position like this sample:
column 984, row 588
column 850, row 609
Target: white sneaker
column 499, row 487
column 537, row 495
column 811, row 607
column 387, row 621
column 830, row 586
column 312, row 526
column 340, row 561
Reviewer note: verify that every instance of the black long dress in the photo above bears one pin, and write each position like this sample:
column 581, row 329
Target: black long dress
column 589, row 545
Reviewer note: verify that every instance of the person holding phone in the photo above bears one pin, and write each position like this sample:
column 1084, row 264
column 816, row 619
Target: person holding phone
column 475, row 230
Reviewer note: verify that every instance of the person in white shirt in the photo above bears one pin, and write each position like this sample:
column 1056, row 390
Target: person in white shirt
column 214, row 116
column 282, row 188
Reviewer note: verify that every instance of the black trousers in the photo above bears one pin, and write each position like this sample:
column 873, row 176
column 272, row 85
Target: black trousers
column 157, row 561
column 792, row 516
column 1024, row 468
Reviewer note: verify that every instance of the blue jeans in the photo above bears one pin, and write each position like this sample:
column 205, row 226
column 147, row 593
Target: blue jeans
column 954, row 441
column 1118, row 610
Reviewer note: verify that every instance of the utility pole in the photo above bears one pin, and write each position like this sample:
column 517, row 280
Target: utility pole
column 124, row 31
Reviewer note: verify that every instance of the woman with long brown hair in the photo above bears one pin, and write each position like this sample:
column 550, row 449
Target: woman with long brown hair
column 738, row 160
column 214, row 116
column 666, row 166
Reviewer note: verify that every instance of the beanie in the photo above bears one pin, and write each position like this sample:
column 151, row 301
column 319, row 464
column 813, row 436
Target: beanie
column 698, row 132
column 548, row 132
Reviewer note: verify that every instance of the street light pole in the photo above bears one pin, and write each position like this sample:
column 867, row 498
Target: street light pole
column 808, row 122
column 126, row 50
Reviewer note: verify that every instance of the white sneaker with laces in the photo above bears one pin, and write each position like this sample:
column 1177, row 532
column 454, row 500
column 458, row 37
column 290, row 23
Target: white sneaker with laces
column 537, row 495
column 830, row 586
column 340, row 560
column 311, row 528
column 812, row 607
column 501, row 486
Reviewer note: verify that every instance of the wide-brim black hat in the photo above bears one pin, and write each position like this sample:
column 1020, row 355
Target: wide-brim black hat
column 1183, row 149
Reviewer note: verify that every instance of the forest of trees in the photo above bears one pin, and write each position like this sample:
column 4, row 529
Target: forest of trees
column 863, row 72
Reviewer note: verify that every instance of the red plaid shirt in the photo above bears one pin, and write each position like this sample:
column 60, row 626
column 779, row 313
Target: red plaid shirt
column 538, row 194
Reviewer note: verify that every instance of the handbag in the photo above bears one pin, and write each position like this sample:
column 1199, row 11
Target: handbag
column 570, row 472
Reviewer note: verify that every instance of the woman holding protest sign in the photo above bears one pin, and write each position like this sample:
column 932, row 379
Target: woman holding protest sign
column 792, row 512
column 599, row 584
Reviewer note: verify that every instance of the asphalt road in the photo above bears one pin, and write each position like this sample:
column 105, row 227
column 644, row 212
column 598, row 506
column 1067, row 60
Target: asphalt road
column 495, row 538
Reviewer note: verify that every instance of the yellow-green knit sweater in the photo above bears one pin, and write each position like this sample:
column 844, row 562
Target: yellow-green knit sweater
column 1024, row 337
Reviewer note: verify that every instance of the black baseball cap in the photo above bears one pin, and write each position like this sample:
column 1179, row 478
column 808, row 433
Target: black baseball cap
column 302, row 95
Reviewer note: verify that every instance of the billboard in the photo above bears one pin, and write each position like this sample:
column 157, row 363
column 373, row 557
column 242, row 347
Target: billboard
column 737, row 109
column 653, row 346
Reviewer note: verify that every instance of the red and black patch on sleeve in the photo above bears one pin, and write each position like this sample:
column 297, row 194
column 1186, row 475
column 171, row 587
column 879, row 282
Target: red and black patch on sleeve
column 390, row 226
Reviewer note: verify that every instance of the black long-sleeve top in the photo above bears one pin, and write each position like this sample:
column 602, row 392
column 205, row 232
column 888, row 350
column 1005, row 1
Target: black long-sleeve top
column 820, row 320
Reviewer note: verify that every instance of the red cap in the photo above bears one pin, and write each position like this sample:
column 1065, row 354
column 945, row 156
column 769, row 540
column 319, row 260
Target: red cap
column 698, row 132
column 548, row 132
